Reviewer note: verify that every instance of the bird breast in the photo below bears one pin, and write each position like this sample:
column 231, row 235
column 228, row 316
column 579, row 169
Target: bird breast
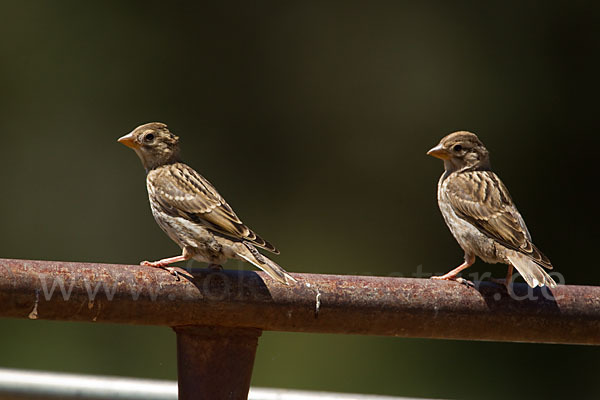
column 470, row 239
column 195, row 237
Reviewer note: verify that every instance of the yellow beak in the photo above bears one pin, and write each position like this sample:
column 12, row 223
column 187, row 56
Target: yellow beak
column 128, row 140
column 439, row 152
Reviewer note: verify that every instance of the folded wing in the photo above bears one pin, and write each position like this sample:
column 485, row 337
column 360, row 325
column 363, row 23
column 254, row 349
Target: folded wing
column 482, row 199
column 184, row 192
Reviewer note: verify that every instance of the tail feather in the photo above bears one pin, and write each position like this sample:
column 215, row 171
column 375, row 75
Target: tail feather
column 533, row 273
column 264, row 263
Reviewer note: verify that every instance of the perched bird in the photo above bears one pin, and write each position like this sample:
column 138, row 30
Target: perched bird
column 191, row 211
column 481, row 214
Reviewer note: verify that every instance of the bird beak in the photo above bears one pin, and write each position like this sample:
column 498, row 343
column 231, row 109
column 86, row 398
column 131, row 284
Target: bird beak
column 439, row 152
column 128, row 140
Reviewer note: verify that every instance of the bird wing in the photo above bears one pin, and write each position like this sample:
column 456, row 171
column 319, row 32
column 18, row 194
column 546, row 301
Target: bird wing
column 481, row 198
column 183, row 192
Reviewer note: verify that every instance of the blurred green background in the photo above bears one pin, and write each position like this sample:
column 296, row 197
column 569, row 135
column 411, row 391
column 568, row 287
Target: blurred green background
column 313, row 119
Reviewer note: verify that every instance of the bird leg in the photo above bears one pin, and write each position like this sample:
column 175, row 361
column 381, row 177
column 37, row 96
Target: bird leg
column 508, row 278
column 452, row 275
column 166, row 261
column 509, row 274
column 215, row 267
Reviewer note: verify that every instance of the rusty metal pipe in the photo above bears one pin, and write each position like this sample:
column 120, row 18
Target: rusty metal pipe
column 214, row 362
column 317, row 303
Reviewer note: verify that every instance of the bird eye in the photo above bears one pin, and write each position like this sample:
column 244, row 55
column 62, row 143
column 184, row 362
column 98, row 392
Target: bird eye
column 457, row 147
column 148, row 138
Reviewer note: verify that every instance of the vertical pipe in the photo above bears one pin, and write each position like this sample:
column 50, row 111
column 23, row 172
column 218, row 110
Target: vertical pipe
column 215, row 362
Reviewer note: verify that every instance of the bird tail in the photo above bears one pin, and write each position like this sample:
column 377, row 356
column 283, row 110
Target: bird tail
column 247, row 252
column 533, row 273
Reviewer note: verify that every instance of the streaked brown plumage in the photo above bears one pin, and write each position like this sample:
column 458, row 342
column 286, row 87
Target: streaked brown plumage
column 481, row 214
column 190, row 210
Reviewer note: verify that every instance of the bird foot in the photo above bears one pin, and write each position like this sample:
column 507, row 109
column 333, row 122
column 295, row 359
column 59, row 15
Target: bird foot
column 457, row 279
column 172, row 271
column 465, row 282
column 156, row 264
column 215, row 267
column 161, row 265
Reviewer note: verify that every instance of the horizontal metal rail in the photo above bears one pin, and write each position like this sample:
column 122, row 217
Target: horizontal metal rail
column 47, row 386
column 316, row 303
column 218, row 316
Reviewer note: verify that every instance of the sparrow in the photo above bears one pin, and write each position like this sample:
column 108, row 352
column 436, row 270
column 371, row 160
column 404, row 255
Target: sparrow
column 481, row 214
column 191, row 211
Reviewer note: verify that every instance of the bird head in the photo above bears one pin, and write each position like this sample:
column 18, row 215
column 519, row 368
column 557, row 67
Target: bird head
column 461, row 150
column 154, row 144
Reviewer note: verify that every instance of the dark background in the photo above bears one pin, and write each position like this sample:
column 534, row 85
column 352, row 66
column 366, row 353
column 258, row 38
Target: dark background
column 313, row 119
